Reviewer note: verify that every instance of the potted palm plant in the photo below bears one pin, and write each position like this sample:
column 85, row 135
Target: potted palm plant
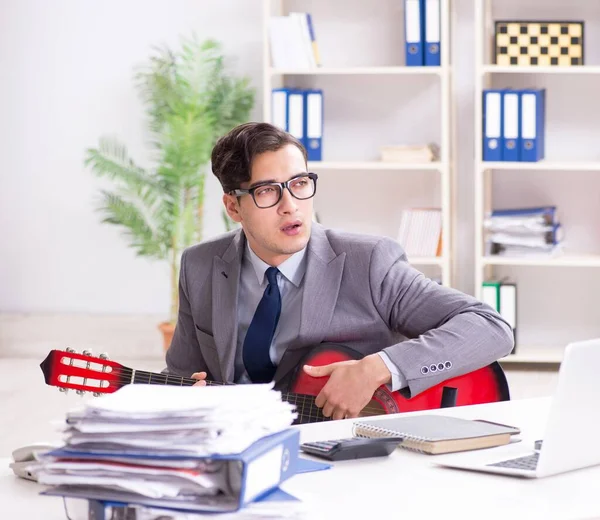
column 190, row 101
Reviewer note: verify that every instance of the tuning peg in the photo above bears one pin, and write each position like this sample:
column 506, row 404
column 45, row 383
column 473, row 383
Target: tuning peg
column 64, row 390
column 87, row 352
column 104, row 355
column 80, row 392
column 69, row 349
column 96, row 394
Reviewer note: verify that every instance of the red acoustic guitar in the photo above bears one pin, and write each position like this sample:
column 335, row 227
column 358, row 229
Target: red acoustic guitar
column 85, row 373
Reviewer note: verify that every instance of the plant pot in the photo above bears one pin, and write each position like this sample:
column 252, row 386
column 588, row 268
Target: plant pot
column 167, row 329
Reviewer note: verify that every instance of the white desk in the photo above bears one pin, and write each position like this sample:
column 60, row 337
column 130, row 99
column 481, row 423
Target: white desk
column 404, row 485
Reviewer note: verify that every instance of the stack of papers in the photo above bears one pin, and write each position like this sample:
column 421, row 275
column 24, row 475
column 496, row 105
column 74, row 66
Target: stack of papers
column 524, row 232
column 184, row 447
column 181, row 421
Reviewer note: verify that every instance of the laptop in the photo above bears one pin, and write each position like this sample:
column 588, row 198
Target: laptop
column 574, row 415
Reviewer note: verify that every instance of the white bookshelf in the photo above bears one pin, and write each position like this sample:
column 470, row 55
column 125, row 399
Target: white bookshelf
column 579, row 70
column 559, row 261
column 423, row 260
column 374, row 165
column 544, row 165
column 349, row 71
column 442, row 170
column 488, row 176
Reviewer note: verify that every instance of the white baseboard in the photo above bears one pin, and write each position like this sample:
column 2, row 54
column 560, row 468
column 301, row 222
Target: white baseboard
column 119, row 336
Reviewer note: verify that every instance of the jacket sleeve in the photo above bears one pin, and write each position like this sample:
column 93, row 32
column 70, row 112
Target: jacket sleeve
column 184, row 356
column 449, row 333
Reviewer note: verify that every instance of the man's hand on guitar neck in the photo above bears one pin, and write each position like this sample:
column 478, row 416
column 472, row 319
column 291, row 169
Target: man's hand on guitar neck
column 351, row 385
column 200, row 376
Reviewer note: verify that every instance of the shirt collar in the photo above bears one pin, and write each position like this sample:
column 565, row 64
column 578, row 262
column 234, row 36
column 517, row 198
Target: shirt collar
column 293, row 268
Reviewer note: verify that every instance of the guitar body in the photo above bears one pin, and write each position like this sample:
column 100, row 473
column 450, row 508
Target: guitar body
column 85, row 373
column 486, row 385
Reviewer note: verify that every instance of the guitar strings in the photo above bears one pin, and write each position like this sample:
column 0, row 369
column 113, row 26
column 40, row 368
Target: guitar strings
column 294, row 398
column 163, row 379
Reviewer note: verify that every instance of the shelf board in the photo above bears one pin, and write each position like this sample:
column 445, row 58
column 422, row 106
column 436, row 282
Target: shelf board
column 557, row 261
column 325, row 71
column 515, row 69
column 372, row 165
column 584, row 166
column 426, row 260
column 535, row 355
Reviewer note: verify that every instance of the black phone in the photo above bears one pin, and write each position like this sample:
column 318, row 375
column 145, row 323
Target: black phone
column 352, row 448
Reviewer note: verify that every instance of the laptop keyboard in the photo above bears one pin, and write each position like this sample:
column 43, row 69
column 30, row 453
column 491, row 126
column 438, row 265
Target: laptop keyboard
column 529, row 462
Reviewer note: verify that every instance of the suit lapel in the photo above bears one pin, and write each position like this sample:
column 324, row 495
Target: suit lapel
column 322, row 281
column 225, row 282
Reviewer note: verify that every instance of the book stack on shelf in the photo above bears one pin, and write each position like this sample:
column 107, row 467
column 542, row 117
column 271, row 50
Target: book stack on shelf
column 292, row 42
column 420, row 232
column 415, row 154
column 524, row 232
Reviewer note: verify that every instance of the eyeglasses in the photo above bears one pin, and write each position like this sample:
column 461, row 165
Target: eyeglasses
column 268, row 195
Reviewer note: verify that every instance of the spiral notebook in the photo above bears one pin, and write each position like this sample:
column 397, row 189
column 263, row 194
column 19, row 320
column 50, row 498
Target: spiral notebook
column 435, row 434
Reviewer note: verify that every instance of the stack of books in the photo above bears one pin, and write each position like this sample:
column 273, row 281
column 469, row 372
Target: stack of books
column 420, row 232
column 523, row 232
column 292, row 42
column 410, row 153
column 212, row 449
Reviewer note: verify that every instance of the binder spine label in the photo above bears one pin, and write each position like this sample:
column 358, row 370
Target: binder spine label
column 529, row 116
column 511, row 127
column 413, row 32
column 432, row 33
column 492, row 126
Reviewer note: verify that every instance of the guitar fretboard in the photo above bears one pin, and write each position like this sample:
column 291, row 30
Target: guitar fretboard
column 307, row 410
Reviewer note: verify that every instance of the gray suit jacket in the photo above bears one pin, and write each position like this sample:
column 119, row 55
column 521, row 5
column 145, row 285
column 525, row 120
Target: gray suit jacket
column 359, row 291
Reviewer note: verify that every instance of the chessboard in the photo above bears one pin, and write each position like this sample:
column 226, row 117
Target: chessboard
column 539, row 43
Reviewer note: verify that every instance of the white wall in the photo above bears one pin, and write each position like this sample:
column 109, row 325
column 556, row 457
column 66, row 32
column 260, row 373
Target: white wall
column 67, row 68
column 67, row 80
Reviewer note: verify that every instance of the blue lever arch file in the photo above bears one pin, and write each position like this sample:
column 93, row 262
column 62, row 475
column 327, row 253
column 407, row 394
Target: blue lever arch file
column 492, row 125
column 296, row 115
column 413, row 33
column 313, row 124
column 533, row 122
column 511, row 138
column 107, row 510
column 280, row 108
column 432, row 33
column 250, row 475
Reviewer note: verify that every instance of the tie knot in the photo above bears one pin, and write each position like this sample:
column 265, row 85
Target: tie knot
column 272, row 275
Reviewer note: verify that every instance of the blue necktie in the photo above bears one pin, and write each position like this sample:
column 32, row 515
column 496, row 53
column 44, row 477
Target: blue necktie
column 260, row 333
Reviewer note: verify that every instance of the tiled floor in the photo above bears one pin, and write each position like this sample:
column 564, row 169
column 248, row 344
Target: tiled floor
column 30, row 410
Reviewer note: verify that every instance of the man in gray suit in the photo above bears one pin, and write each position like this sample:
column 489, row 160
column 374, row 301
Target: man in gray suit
column 254, row 301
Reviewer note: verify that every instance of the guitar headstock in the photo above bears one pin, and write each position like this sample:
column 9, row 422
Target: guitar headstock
column 66, row 369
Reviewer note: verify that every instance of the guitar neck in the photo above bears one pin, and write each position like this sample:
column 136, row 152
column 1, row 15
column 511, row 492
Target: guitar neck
column 306, row 408
column 154, row 378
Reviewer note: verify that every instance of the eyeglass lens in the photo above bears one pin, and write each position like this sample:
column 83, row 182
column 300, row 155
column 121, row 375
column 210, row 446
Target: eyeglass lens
column 270, row 194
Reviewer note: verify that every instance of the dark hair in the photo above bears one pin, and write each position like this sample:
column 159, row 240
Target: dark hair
column 234, row 153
